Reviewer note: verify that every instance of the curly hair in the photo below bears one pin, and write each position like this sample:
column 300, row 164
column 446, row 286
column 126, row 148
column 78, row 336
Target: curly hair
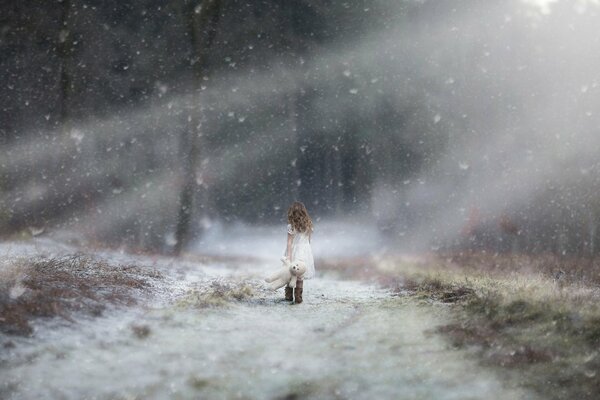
column 299, row 219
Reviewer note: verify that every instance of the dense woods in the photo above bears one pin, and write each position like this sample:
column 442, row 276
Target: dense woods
column 452, row 123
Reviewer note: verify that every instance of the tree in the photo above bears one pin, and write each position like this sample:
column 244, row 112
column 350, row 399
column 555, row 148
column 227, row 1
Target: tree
column 201, row 19
column 64, row 49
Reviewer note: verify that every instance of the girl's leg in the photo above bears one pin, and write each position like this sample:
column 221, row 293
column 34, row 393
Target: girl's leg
column 288, row 293
column 298, row 291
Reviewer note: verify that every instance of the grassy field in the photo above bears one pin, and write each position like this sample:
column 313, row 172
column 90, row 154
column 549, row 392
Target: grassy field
column 536, row 317
column 223, row 334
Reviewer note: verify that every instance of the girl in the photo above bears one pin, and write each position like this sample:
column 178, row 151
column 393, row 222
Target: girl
column 299, row 229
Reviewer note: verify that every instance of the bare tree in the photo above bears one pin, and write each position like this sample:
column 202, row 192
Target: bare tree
column 201, row 20
column 64, row 49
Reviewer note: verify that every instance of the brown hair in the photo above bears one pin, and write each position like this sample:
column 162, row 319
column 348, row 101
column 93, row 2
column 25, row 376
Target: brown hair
column 299, row 219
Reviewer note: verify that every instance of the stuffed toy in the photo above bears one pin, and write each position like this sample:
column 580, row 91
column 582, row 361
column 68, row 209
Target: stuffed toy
column 287, row 275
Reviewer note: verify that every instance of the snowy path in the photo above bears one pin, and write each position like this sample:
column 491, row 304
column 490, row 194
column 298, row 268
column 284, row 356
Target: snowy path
column 348, row 340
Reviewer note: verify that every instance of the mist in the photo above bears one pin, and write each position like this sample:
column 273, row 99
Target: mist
column 447, row 152
column 446, row 123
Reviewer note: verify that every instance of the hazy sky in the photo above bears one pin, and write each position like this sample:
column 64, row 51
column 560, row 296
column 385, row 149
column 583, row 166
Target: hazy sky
column 545, row 6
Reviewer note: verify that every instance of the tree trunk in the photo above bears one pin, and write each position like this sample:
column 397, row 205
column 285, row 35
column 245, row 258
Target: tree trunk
column 201, row 20
column 292, row 111
column 308, row 164
column 349, row 167
column 65, row 49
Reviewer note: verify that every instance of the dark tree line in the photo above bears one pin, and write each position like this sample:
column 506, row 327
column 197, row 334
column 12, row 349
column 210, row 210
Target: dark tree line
column 102, row 61
column 141, row 122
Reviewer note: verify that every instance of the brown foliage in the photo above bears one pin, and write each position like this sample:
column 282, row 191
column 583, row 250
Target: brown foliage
column 351, row 268
column 58, row 286
column 570, row 269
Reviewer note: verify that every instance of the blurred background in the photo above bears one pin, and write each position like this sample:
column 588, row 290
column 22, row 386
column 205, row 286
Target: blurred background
column 433, row 124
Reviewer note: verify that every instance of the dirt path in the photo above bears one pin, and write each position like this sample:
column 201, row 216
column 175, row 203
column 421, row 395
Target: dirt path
column 348, row 340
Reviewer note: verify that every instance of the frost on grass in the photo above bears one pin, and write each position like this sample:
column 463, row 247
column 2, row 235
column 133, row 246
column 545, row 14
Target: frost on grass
column 518, row 313
column 221, row 292
column 59, row 286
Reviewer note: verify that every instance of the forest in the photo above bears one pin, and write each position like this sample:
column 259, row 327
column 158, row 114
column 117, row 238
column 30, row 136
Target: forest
column 451, row 123
column 444, row 154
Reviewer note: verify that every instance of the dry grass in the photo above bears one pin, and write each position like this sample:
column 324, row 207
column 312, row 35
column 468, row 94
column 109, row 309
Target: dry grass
column 571, row 269
column 48, row 287
column 217, row 293
column 141, row 331
column 364, row 268
column 516, row 313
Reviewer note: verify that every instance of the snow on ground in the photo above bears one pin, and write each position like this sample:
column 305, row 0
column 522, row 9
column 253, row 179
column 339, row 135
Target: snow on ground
column 330, row 239
column 347, row 340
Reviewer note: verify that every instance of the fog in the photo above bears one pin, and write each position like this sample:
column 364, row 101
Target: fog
column 428, row 124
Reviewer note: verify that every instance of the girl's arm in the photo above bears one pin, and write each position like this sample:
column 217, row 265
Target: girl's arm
column 288, row 250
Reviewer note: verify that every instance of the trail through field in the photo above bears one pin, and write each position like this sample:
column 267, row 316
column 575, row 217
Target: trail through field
column 215, row 331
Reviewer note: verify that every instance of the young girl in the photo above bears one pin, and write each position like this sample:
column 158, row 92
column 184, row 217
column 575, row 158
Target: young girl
column 299, row 229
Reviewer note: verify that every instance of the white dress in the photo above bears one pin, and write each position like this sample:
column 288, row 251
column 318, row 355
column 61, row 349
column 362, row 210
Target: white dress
column 301, row 251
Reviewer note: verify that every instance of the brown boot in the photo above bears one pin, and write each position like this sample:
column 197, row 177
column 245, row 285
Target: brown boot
column 288, row 293
column 298, row 292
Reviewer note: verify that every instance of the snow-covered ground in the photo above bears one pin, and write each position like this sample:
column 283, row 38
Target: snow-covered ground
column 330, row 239
column 215, row 331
